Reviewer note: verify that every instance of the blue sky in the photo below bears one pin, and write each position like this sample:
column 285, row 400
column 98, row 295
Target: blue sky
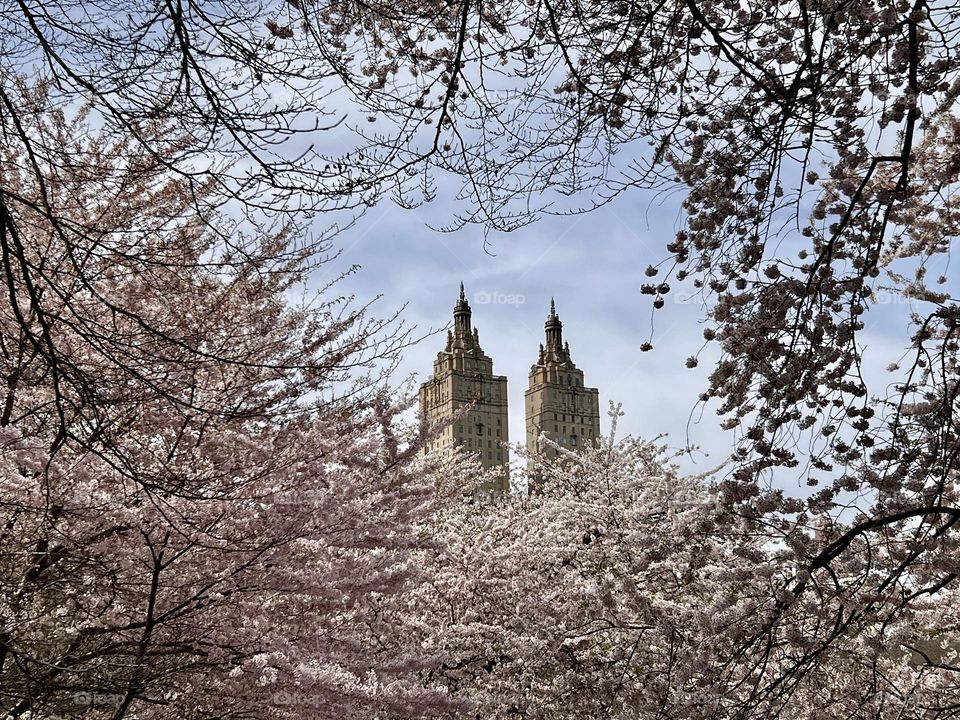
column 592, row 264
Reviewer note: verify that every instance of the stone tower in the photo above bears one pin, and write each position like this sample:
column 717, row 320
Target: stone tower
column 463, row 374
column 556, row 401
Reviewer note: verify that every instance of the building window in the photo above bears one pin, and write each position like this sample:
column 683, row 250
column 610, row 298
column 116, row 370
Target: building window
column 554, row 416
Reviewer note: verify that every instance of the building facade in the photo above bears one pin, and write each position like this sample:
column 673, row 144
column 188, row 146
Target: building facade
column 557, row 403
column 462, row 376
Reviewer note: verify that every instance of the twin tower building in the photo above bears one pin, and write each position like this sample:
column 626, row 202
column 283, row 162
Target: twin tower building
column 556, row 401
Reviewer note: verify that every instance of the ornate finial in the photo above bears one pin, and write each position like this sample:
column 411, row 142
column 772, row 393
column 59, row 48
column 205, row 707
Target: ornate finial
column 553, row 326
column 461, row 320
column 552, row 319
column 462, row 303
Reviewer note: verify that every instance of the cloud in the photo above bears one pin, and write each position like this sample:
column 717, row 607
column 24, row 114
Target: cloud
column 593, row 265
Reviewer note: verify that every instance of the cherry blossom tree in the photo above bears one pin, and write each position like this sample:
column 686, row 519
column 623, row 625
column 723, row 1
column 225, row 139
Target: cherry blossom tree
column 588, row 597
column 623, row 589
column 814, row 147
column 207, row 504
column 814, row 144
column 261, row 121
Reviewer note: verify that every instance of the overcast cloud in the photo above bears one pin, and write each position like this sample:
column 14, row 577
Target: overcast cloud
column 592, row 265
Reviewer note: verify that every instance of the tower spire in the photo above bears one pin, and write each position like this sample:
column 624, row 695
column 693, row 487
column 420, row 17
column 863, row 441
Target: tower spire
column 463, row 371
column 462, row 332
column 557, row 403
column 554, row 329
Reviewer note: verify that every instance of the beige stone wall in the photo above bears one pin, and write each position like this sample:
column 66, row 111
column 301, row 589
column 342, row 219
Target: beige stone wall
column 459, row 382
column 557, row 404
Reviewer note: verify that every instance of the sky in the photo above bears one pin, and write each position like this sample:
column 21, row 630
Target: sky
column 592, row 265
